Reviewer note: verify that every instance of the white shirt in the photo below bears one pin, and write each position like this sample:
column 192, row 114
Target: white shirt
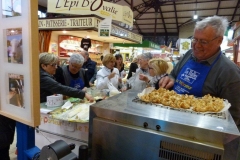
column 102, row 78
column 136, row 83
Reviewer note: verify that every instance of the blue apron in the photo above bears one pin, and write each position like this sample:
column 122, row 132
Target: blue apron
column 191, row 78
column 77, row 83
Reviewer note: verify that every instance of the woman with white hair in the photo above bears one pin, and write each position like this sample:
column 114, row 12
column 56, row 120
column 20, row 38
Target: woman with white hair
column 49, row 86
column 135, row 81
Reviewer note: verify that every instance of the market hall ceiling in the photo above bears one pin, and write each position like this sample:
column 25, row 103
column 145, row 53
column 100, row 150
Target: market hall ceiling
column 165, row 17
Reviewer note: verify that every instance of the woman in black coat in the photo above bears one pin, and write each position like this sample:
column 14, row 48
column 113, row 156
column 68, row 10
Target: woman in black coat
column 133, row 67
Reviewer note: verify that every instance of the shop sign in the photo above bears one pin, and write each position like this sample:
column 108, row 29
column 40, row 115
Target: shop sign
column 153, row 45
column 65, row 23
column 88, row 22
column 98, row 7
column 120, row 32
column 104, row 27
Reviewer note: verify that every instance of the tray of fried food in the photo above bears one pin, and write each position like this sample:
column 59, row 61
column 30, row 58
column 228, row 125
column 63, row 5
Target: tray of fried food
column 167, row 98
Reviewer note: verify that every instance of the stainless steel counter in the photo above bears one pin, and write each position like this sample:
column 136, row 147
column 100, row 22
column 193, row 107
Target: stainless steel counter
column 215, row 134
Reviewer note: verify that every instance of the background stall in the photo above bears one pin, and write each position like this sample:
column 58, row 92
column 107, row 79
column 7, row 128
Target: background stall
column 63, row 40
column 84, row 27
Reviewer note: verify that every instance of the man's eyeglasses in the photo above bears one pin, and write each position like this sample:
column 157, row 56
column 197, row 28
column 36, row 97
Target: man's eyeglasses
column 76, row 66
column 203, row 42
column 53, row 65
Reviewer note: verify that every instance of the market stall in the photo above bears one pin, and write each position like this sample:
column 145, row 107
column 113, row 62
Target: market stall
column 130, row 50
column 65, row 33
column 66, row 39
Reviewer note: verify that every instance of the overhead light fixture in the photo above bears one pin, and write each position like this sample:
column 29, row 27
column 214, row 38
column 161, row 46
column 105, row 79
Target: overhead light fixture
column 195, row 16
column 64, row 31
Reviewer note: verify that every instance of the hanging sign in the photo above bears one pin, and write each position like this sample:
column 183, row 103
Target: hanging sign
column 104, row 27
column 98, row 7
column 86, row 23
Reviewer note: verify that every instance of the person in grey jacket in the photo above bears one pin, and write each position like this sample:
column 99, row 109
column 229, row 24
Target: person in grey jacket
column 49, row 86
column 73, row 74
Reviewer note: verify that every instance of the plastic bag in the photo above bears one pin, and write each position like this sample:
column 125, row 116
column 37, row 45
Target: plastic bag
column 112, row 90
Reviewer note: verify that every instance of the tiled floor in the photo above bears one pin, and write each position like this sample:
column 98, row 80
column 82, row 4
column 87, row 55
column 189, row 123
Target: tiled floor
column 12, row 150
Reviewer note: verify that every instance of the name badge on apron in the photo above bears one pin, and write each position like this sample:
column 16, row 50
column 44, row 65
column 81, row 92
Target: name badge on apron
column 191, row 78
column 77, row 83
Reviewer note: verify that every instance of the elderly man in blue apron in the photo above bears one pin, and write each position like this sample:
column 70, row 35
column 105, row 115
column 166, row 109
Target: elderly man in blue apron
column 74, row 75
column 205, row 70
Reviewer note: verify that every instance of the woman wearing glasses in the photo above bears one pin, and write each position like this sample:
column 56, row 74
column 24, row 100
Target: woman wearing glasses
column 49, row 86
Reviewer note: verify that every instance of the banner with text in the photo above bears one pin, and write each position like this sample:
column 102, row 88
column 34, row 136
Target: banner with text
column 66, row 23
column 98, row 7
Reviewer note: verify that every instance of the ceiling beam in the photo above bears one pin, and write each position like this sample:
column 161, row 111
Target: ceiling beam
column 163, row 21
column 142, row 5
column 141, row 13
column 219, row 2
column 136, row 25
column 203, row 9
column 131, row 5
column 133, row 8
column 190, row 20
column 235, row 10
column 176, row 17
column 155, row 28
column 152, row 28
column 183, row 17
column 144, row 24
column 179, row 2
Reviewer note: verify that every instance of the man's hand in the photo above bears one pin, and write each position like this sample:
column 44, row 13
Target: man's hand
column 91, row 84
column 84, row 89
column 89, row 97
column 166, row 82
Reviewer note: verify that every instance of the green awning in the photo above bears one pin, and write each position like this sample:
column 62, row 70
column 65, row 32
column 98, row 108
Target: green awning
column 145, row 44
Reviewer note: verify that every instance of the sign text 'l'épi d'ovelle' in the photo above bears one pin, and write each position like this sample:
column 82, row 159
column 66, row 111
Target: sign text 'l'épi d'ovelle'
column 97, row 7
